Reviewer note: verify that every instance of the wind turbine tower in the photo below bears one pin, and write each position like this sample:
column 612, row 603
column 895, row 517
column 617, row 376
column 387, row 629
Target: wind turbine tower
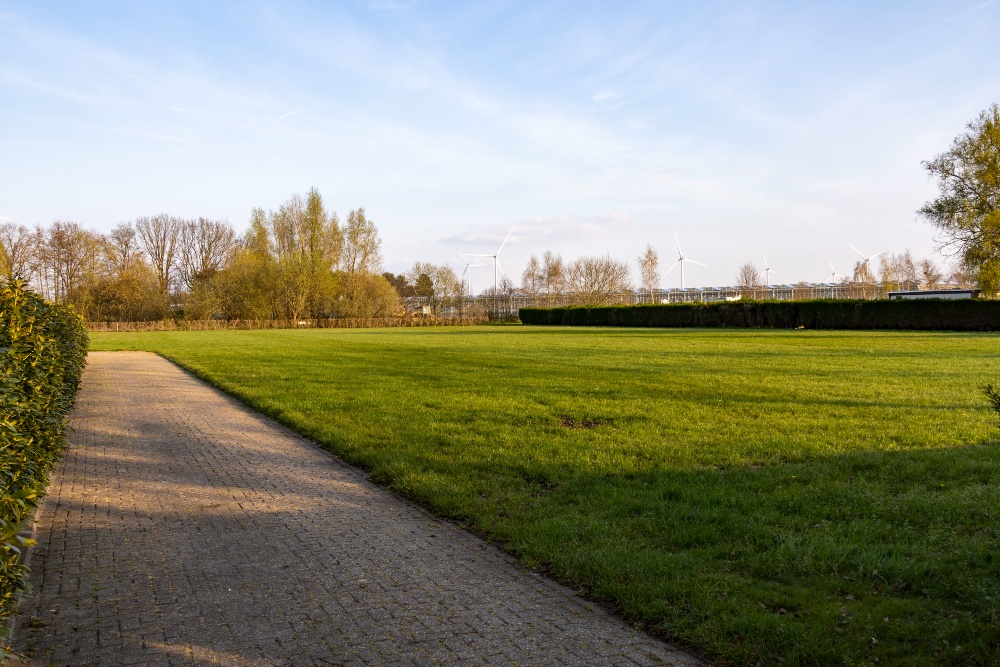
column 767, row 272
column 833, row 274
column 681, row 259
column 497, row 269
column 867, row 260
column 467, row 274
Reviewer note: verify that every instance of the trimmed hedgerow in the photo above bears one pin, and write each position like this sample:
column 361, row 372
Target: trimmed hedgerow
column 918, row 314
column 43, row 349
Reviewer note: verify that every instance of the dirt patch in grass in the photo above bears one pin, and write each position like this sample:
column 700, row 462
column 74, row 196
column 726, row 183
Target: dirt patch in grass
column 569, row 422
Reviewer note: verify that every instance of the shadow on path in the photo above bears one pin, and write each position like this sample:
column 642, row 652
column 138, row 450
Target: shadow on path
column 184, row 529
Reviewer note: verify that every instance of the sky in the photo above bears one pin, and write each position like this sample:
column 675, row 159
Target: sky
column 585, row 128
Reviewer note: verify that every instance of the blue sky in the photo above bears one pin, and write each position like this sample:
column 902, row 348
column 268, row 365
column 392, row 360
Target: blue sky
column 788, row 129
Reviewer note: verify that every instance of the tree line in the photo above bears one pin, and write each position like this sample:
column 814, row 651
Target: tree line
column 300, row 261
column 895, row 271
column 303, row 262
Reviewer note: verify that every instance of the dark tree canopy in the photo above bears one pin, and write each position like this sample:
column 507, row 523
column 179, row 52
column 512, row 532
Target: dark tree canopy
column 967, row 209
column 400, row 283
column 425, row 286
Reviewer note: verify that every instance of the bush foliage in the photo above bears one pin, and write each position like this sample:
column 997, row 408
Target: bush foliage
column 43, row 350
column 918, row 314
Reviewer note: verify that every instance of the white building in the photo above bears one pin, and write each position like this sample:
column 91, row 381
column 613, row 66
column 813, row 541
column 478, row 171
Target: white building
column 936, row 294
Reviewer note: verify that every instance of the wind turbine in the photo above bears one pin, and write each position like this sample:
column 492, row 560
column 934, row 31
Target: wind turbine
column 496, row 264
column 680, row 260
column 867, row 260
column 833, row 274
column 467, row 272
column 767, row 272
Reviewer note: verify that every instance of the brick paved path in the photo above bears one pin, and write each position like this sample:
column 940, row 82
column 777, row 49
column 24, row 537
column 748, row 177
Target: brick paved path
column 184, row 529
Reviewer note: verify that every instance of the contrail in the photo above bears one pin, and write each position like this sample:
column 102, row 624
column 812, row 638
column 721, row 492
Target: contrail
column 290, row 113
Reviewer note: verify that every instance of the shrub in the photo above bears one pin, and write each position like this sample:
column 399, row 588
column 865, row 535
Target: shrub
column 918, row 314
column 993, row 396
column 43, row 349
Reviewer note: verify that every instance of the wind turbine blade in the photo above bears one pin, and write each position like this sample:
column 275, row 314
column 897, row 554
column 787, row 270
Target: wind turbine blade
column 477, row 255
column 504, row 243
column 463, row 256
column 765, row 262
column 859, row 252
column 499, row 266
column 831, row 266
column 880, row 252
column 694, row 262
column 679, row 251
column 672, row 267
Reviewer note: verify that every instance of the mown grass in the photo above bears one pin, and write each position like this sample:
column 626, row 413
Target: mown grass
column 782, row 497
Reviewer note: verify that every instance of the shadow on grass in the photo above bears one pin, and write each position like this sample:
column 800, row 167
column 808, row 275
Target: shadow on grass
column 182, row 531
column 839, row 559
column 835, row 560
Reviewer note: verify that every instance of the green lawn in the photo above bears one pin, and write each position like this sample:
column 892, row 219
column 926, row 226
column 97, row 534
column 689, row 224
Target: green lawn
column 787, row 497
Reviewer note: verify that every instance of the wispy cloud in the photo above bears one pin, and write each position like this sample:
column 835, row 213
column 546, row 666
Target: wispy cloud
column 739, row 126
column 545, row 229
column 973, row 9
column 94, row 75
column 289, row 115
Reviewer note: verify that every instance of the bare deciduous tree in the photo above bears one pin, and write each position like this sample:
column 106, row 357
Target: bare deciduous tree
column 362, row 245
column 898, row 271
column 930, row 274
column 907, row 268
column 67, row 253
column 447, row 286
column 533, row 277
column 159, row 236
column 17, row 247
column 554, row 271
column 962, row 275
column 122, row 247
column 205, row 245
column 649, row 269
column 595, row 279
column 748, row 277
column 863, row 273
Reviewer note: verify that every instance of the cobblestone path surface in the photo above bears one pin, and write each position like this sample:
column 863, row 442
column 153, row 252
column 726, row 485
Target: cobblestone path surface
column 185, row 529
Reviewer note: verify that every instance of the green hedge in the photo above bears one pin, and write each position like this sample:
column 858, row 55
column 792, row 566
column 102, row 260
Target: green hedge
column 922, row 314
column 43, row 349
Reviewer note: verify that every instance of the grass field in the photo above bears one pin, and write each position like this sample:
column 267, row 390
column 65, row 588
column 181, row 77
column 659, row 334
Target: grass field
column 782, row 497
